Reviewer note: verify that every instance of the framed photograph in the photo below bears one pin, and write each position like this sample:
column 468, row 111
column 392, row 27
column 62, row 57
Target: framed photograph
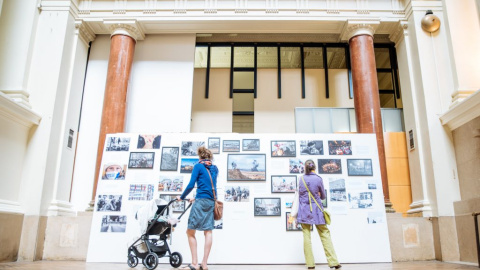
column 169, row 160
column 360, row 199
column 294, row 226
column 251, row 145
column 248, row 167
column 359, row 167
column 141, row 160
column 214, row 145
column 113, row 224
column 284, row 148
column 186, row 164
column 340, row 147
column 218, row 224
column 325, row 202
column 329, row 166
column 177, row 206
column 117, row 144
column 170, row 183
column 114, row 171
column 411, row 140
column 372, row 186
column 284, row 183
column 107, row 203
column 231, row 145
column 311, row 148
column 237, row 194
column 149, row 141
column 296, row 166
column 267, row 206
column 337, row 190
column 140, row 192
column 189, row 148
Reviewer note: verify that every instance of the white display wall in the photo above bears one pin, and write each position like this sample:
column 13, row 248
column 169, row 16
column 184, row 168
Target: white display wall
column 359, row 229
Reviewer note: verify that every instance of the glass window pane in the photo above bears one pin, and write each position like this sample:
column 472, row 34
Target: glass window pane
column 201, row 54
column 290, row 57
column 336, row 58
column 220, row 57
column 385, row 81
column 313, row 57
column 382, row 57
column 392, row 120
column 243, row 124
column 323, row 123
column 243, row 57
column 267, row 57
column 243, row 102
column 304, row 120
column 340, row 120
column 387, row 100
column 243, row 79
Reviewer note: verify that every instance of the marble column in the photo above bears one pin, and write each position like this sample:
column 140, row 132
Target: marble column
column 366, row 95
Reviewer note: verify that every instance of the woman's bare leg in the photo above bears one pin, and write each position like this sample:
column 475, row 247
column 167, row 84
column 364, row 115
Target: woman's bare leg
column 207, row 248
column 192, row 242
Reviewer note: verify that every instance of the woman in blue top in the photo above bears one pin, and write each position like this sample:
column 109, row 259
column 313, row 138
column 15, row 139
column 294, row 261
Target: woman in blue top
column 201, row 215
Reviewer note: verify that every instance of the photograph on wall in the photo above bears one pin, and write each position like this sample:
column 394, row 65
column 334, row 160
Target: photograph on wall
column 311, row 147
column 214, row 145
column 329, row 166
column 107, row 203
column 283, row 149
column 140, row 192
column 340, row 147
column 359, row 199
column 169, row 159
column 170, row 183
column 218, row 224
column 375, row 217
column 246, row 167
column 114, row 171
column 186, row 164
column 117, row 144
column 113, row 224
column 296, row 166
column 231, row 145
column 267, row 206
column 359, row 167
column 237, row 194
column 337, row 190
column 288, row 204
column 325, row 202
column 294, row 226
column 251, row 145
column 284, row 183
column 177, row 206
column 372, row 186
column 189, row 148
column 141, row 160
column 148, row 141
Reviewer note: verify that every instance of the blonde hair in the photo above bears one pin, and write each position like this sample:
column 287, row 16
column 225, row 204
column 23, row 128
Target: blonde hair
column 204, row 153
column 310, row 166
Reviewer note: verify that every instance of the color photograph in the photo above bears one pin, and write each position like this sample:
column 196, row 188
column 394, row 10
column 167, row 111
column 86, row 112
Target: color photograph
column 311, row 147
column 294, row 226
column 170, row 183
column 337, row 190
column 186, row 164
column 177, row 206
column 251, row 145
column 114, row 171
column 141, row 160
column 340, row 147
column 214, row 145
column 359, row 167
column 330, row 166
column 283, row 148
column 267, row 206
column 190, row 148
column 140, row 192
column 237, row 194
column 169, row 160
column 149, row 141
column 249, row 167
column 296, row 166
column 231, row 145
column 284, row 183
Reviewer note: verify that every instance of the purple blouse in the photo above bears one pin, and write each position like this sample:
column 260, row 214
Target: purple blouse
column 315, row 185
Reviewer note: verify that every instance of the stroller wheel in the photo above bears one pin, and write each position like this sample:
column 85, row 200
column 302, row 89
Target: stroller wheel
column 132, row 261
column 176, row 259
column 151, row 261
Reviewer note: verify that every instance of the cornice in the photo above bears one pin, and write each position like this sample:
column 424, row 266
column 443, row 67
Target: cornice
column 15, row 112
column 462, row 113
column 84, row 32
column 129, row 28
column 400, row 32
column 354, row 28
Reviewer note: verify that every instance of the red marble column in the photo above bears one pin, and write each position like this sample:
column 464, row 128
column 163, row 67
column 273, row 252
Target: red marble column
column 113, row 117
column 366, row 98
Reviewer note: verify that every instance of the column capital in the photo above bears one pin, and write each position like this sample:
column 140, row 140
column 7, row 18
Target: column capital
column 356, row 28
column 128, row 28
column 84, row 32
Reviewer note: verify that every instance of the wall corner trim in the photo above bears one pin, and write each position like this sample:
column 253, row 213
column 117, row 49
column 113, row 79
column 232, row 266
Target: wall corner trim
column 463, row 112
column 12, row 110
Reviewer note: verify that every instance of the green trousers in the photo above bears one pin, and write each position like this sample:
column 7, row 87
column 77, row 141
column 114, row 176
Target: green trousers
column 326, row 242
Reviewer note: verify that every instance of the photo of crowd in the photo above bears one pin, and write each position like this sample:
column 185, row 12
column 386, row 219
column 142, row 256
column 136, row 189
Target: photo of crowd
column 113, row 224
column 237, row 194
column 267, row 206
column 359, row 167
column 330, row 166
column 340, row 147
column 284, row 183
column 296, row 166
column 189, row 148
column 113, row 171
column 141, row 160
column 117, row 144
column 170, row 183
column 311, row 147
column 284, row 149
column 109, row 203
column 140, row 192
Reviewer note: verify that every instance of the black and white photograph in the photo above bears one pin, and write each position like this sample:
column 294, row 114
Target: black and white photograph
column 237, row 194
column 294, row 226
column 149, row 141
column 296, row 166
column 141, row 160
column 359, row 199
column 177, row 206
column 329, row 166
column 359, row 167
column 107, row 203
column 114, row 171
column 231, row 145
column 169, row 160
column 248, row 167
column 190, row 148
column 218, row 224
column 311, row 148
column 267, row 206
column 340, row 147
column 214, row 145
column 338, row 192
column 375, row 217
column 170, row 183
column 117, row 144
column 325, row 202
column 140, row 192
column 251, row 145
column 113, row 224
column 283, row 148
column 284, row 183
column 187, row 164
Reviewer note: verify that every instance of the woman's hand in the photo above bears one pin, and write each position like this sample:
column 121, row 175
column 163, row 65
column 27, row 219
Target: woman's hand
column 191, row 200
column 178, row 198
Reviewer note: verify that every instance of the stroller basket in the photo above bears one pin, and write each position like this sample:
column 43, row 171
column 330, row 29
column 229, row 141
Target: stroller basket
column 157, row 227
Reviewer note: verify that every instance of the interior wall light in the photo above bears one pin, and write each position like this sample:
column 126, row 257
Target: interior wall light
column 430, row 22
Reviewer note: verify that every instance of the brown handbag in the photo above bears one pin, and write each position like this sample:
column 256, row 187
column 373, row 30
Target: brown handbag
column 218, row 209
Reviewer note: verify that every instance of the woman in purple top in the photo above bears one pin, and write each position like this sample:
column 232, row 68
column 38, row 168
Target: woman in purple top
column 310, row 214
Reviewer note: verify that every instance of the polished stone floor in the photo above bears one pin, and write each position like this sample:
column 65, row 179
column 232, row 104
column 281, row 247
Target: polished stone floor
column 72, row 265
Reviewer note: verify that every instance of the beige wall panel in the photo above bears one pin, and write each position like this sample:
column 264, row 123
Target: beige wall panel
column 395, row 144
column 10, row 232
column 448, row 239
column 401, row 198
column 466, row 228
column 397, row 171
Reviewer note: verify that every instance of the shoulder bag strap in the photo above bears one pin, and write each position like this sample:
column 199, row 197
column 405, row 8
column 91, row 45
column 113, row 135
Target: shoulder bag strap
column 213, row 189
column 311, row 195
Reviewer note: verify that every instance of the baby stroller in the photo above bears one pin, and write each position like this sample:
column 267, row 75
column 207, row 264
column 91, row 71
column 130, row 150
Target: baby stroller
column 155, row 239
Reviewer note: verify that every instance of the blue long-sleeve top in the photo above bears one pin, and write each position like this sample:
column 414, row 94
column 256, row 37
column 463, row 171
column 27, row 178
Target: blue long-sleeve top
column 202, row 179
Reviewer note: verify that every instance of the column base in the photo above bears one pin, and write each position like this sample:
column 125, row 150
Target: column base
column 19, row 96
column 389, row 207
column 90, row 207
column 61, row 208
column 420, row 209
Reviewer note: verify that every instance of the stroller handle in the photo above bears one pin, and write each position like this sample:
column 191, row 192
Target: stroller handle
column 174, row 200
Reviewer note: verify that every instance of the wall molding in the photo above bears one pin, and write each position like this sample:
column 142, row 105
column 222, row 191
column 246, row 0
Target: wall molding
column 421, row 207
column 463, row 112
column 11, row 110
column 61, row 208
column 11, row 207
